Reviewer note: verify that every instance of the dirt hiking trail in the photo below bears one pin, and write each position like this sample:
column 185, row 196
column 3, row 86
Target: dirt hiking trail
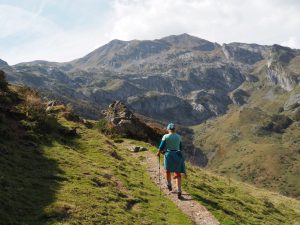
column 198, row 213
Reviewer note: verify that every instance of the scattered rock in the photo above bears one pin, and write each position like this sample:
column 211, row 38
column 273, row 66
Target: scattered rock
column 87, row 123
column 137, row 148
column 52, row 103
column 134, row 148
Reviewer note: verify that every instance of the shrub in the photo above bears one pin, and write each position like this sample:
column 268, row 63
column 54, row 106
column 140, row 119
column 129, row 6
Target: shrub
column 297, row 115
column 3, row 83
column 102, row 126
column 34, row 108
column 277, row 123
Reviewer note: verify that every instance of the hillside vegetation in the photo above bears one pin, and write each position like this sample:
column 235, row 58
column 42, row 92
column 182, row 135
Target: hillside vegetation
column 58, row 169
column 51, row 173
column 258, row 143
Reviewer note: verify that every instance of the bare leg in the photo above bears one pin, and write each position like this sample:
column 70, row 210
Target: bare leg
column 168, row 177
column 178, row 181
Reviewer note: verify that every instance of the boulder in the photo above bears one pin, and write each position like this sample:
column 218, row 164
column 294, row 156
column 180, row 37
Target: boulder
column 239, row 97
column 137, row 148
column 122, row 122
column 134, row 148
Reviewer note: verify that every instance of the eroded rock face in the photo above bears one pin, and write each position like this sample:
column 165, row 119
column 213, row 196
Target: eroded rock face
column 239, row 97
column 277, row 67
column 293, row 102
column 124, row 123
column 244, row 53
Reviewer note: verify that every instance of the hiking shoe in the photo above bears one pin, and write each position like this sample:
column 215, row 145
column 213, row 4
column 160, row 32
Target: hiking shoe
column 179, row 195
column 169, row 187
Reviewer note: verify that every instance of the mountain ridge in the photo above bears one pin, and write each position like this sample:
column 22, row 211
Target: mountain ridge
column 176, row 66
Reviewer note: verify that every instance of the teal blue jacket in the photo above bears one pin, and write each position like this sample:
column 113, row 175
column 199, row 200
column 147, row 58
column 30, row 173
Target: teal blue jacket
column 173, row 158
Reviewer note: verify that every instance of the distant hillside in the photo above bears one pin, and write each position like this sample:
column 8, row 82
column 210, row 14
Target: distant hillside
column 180, row 77
column 260, row 141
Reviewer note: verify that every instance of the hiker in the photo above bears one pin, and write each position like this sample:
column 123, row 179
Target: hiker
column 170, row 146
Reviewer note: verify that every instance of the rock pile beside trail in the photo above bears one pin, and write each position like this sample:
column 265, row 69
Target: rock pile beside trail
column 122, row 122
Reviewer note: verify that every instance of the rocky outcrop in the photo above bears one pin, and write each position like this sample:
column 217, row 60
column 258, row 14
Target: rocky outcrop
column 239, row 97
column 244, row 53
column 278, row 72
column 278, row 75
column 122, row 122
column 293, row 102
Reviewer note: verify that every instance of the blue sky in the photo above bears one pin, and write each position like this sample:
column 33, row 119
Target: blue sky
column 62, row 30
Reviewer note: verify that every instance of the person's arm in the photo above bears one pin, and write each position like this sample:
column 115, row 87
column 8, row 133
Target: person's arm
column 161, row 146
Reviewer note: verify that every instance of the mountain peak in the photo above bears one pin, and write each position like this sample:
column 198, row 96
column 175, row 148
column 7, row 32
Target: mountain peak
column 3, row 63
column 188, row 41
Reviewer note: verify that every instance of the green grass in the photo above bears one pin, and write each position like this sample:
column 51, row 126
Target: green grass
column 48, row 178
column 87, row 180
column 237, row 147
column 237, row 203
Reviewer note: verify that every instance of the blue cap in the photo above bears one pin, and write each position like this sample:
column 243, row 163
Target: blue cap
column 171, row 126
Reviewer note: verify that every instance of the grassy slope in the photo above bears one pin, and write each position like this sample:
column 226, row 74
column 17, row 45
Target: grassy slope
column 48, row 178
column 48, row 175
column 236, row 203
column 236, row 150
column 92, row 180
column 87, row 180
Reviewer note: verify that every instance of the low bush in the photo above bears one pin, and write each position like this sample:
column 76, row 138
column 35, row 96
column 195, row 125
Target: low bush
column 102, row 126
column 277, row 123
column 296, row 115
column 3, row 82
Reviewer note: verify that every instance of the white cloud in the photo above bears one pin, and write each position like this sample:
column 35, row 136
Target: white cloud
column 292, row 42
column 223, row 21
column 17, row 21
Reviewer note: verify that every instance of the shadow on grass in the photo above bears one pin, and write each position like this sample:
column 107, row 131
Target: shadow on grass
column 29, row 179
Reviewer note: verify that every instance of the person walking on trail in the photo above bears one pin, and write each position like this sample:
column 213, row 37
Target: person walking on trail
column 170, row 146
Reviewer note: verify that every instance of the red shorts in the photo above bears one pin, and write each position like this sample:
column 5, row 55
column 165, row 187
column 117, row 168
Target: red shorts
column 175, row 174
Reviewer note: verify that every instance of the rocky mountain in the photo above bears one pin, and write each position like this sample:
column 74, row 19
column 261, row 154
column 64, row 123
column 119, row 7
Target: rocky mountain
column 178, row 78
column 3, row 63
